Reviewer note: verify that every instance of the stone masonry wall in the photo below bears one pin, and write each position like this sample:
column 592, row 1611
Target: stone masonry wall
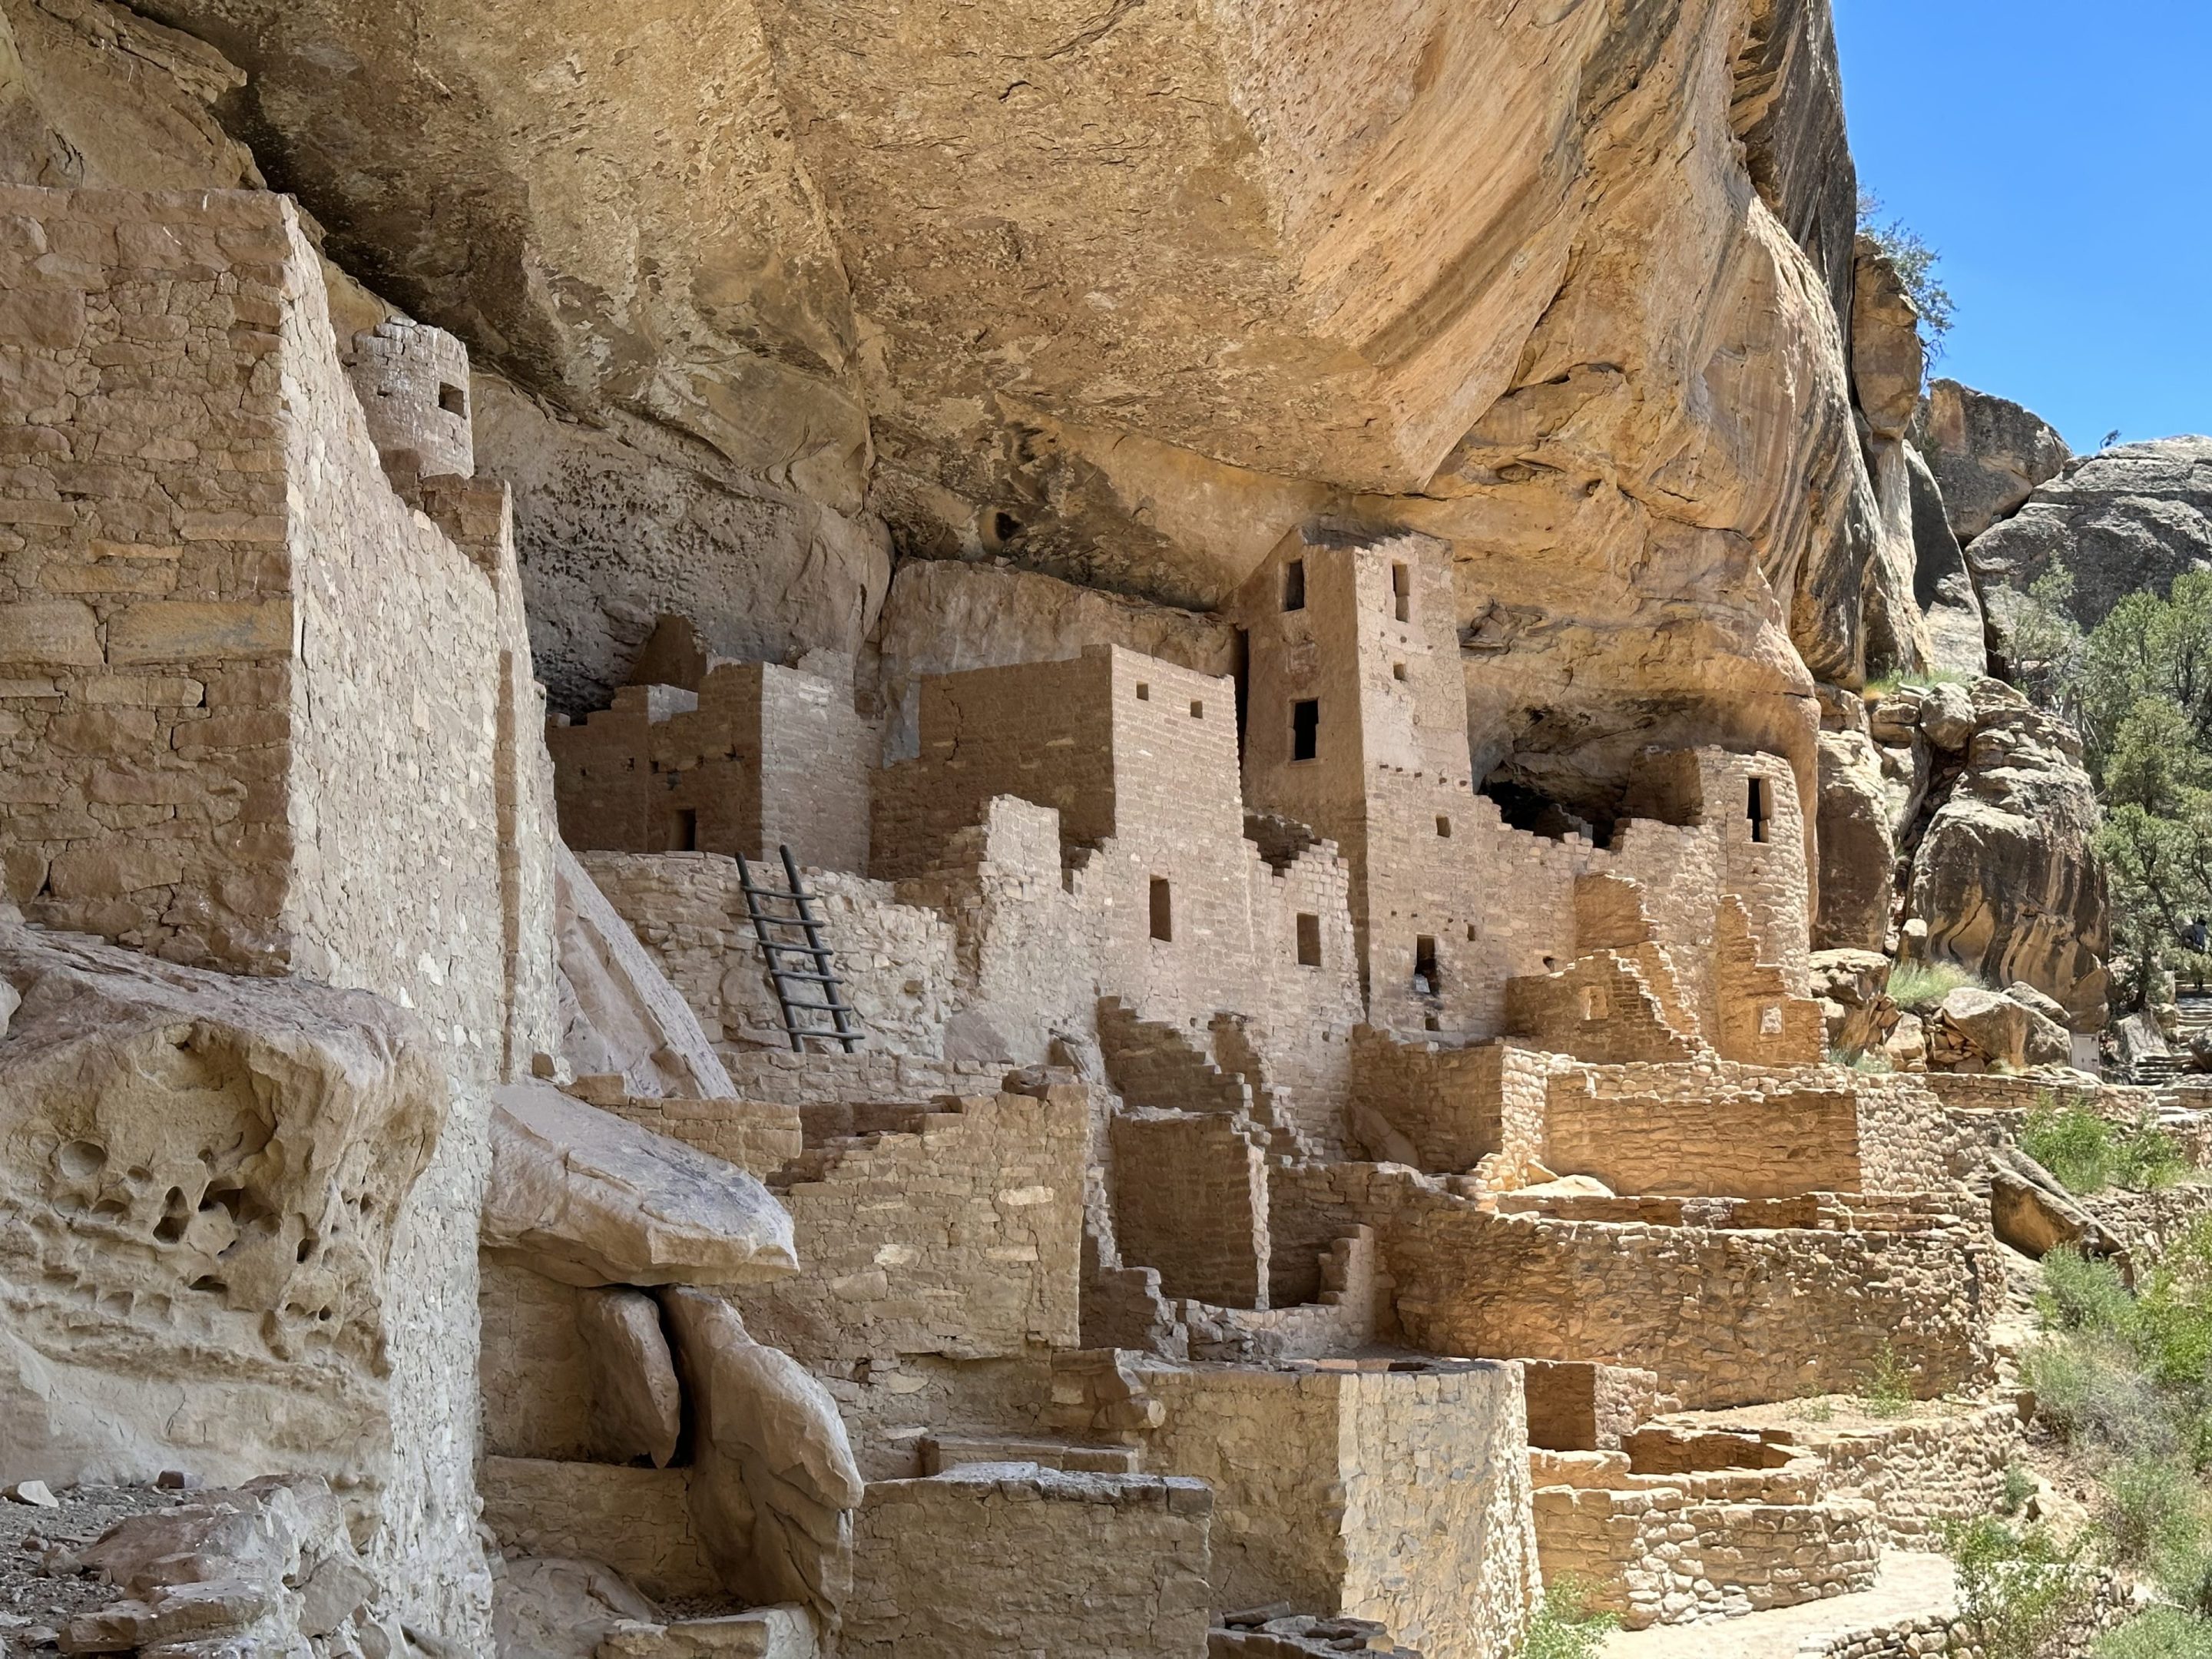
column 265, row 715
column 1011, row 1559
column 961, row 1237
column 1712, row 1141
column 687, row 909
column 1396, row 1496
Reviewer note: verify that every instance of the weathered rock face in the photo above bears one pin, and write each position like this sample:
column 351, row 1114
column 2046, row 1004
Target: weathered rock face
column 201, row 1179
column 1887, row 362
column 1858, row 854
column 1972, row 1028
column 1941, row 582
column 2003, row 874
column 893, row 271
column 1988, row 455
column 2127, row 521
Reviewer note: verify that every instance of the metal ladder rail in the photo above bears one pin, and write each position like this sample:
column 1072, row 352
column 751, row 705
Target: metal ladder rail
column 815, row 950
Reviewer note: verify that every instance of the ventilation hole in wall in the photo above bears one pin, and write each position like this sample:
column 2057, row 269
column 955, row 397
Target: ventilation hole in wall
column 1401, row 592
column 1305, row 729
column 683, row 830
column 81, row 1160
column 1308, row 940
column 1294, row 585
column 1398, row 672
column 1473, row 932
column 1427, row 980
column 1143, row 691
column 453, row 400
column 1163, row 910
column 1197, row 709
column 1755, row 809
column 1443, row 826
column 1430, row 1023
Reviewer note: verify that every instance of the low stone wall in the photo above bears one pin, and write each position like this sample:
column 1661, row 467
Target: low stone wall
column 1445, row 1109
column 759, row 1136
column 1731, row 1303
column 2152, row 1223
column 1921, row 1474
column 1322, row 1474
column 1012, row 1559
column 636, row 1521
column 1675, row 1130
column 832, row 1079
column 1656, row 1555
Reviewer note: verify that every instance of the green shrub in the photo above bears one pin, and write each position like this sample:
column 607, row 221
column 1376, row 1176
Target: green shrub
column 2018, row 1583
column 2019, row 1488
column 1886, row 1385
column 2085, row 1293
column 1564, row 1627
column 2146, row 1159
column 2152, row 1508
column 2161, row 1633
column 2077, row 1147
column 2089, row 1390
column 1917, row 987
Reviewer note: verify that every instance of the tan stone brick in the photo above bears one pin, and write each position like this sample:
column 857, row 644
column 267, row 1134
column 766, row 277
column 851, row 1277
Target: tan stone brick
column 109, row 871
column 189, row 631
column 61, row 631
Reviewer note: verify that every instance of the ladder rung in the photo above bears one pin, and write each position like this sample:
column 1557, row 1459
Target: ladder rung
column 816, row 979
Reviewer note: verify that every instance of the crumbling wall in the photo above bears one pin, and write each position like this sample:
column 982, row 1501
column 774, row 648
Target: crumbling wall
column 1444, row 1109
column 958, row 1236
column 1190, row 1199
column 1687, row 1133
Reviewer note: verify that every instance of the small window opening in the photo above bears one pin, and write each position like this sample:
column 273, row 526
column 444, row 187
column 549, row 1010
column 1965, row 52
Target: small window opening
column 1197, row 709
column 453, row 400
column 1294, row 585
column 1398, row 672
column 1163, row 910
column 1305, row 729
column 1308, row 940
column 1473, row 934
column 1401, row 591
column 1755, row 809
column 1427, row 981
column 1443, row 826
column 683, row 830
column 1144, row 692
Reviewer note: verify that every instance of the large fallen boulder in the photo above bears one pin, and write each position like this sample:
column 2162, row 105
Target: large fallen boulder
column 1974, row 1029
column 589, row 1198
column 1853, row 989
column 2033, row 1213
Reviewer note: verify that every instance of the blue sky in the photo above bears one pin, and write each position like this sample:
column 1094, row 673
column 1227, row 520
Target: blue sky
column 2059, row 156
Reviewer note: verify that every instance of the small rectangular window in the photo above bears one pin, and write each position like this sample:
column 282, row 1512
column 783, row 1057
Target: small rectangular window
column 1443, row 826
column 1144, row 692
column 1294, row 585
column 1473, row 932
column 1427, row 981
column 453, row 400
column 1398, row 672
column 1401, row 592
column 1197, row 709
column 1305, row 729
column 1755, row 809
column 1163, row 910
column 1308, row 940
column 683, row 830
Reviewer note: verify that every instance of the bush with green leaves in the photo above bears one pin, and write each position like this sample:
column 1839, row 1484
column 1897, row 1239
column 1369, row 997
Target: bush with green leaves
column 1916, row 263
column 2018, row 1583
column 1917, row 987
column 2161, row 1633
column 1886, row 1385
column 1564, row 1627
column 2087, row 1153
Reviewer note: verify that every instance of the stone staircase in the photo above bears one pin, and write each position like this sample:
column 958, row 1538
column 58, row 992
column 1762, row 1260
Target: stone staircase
column 2163, row 1071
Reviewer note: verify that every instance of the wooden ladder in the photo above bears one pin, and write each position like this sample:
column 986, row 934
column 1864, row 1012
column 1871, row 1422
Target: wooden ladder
column 778, row 948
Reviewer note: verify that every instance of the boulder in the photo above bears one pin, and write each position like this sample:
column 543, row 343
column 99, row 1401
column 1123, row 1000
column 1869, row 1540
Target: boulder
column 2128, row 519
column 269, row 1568
column 1946, row 717
column 619, row 1015
column 200, row 1174
column 2028, row 997
column 1887, row 357
column 2005, row 877
column 638, row 1407
column 2032, row 1212
column 1905, row 1047
column 1858, row 856
column 1853, row 989
column 1987, row 454
column 587, row 1198
column 1994, row 1029
column 774, row 1484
